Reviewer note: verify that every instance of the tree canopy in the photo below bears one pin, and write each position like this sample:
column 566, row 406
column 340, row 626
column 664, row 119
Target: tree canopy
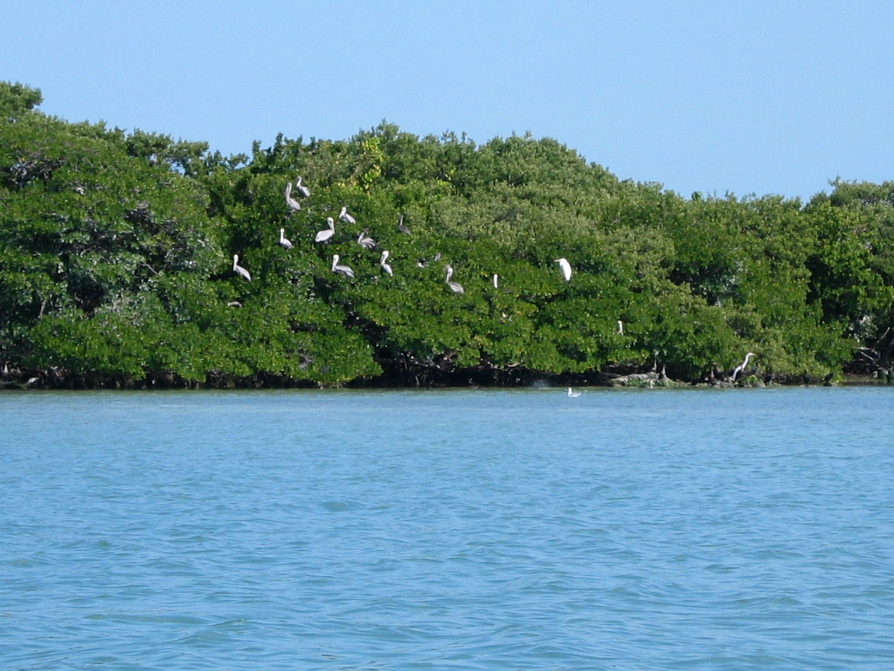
column 117, row 264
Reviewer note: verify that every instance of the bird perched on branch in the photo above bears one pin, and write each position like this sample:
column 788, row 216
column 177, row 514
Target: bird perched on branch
column 341, row 269
column 566, row 268
column 239, row 269
column 456, row 287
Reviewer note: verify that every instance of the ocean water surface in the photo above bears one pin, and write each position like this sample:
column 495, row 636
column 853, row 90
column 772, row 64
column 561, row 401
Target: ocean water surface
column 488, row 529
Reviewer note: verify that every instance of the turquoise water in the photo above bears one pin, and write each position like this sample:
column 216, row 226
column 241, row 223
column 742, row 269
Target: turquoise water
column 697, row 529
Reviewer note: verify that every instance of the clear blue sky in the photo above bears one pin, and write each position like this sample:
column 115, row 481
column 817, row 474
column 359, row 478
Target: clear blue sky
column 753, row 97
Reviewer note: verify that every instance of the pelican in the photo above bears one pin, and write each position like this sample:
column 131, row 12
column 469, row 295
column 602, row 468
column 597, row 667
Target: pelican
column 572, row 393
column 385, row 266
column 326, row 233
column 282, row 239
column 345, row 217
column 741, row 367
column 566, row 268
column 343, row 270
column 291, row 202
column 496, row 281
column 456, row 287
column 303, row 190
column 239, row 269
column 620, row 327
column 402, row 227
column 365, row 240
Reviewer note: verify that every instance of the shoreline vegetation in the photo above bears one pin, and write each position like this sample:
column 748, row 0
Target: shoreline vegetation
column 134, row 261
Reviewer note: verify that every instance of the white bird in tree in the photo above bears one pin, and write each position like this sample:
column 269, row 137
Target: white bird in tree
column 239, row 269
column 283, row 240
column 566, row 268
column 496, row 281
column 303, row 190
column 383, row 262
column 341, row 269
column 572, row 393
column 326, row 233
column 402, row 227
column 365, row 241
column 620, row 327
column 291, row 202
column 345, row 217
column 456, row 287
column 737, row 371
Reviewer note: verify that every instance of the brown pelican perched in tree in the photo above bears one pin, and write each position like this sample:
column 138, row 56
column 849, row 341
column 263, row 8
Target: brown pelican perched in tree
column 383, row 262
column 239, row 269
column 282, row 239
column 402, row 227
column 738, row 370
column 291, row 202
column 365, row 241
column 326, row 233
column 566, row 268
column 341, row 269
column 303, row 190
column 456, row 287
column 345, row 217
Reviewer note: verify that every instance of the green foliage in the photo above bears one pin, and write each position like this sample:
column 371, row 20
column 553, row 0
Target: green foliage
column 116, row 261
column 17, row 100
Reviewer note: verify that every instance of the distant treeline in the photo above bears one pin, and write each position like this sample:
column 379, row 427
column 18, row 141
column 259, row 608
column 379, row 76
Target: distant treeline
column 117, row 265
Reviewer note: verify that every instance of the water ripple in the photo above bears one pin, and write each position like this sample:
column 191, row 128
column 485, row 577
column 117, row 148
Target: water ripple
column 442, row 530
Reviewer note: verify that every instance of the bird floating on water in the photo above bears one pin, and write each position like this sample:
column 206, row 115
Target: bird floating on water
column 456, row 287
column 572, row 393
column 341, row 269
column 283, row 240
column 291, row 202
column 566, row 268
column 326, row 233
column 345, row 217
column 239, row 269
column 383, row 262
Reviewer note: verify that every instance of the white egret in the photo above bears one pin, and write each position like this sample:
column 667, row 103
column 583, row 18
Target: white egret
column 456, row 287
column 282, row 239
column 383, row 262
column 239, row 269
column 341, row 269
column 303, row 190
column 572, row 393
column 345, row 217
column 365, row 241
column 741, row 367
column 326, row 233
column 291, row 202
column 566, row 268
